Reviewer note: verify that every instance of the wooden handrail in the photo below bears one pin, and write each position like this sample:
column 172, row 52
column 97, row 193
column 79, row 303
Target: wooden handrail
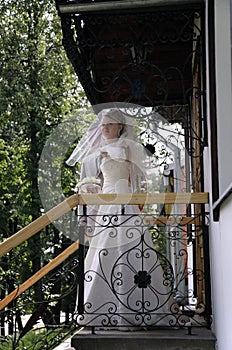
column 171, row 220
column 39, row 274
column 102, row 199
column 89, row 199
column 38, row 224
column 145, row 198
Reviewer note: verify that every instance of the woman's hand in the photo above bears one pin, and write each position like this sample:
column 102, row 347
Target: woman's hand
column 115, row 151
column 104, row 154
column 92, row 188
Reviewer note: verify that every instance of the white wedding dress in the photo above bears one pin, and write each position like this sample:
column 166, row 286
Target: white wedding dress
column 125, row 285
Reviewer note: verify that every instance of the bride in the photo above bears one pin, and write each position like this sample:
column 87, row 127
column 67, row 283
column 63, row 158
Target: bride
column 128, row 284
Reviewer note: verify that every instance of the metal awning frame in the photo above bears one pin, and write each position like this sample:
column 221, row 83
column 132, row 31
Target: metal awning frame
column 73, row 7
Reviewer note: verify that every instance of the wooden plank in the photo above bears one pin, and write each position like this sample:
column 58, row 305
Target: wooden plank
column 38, row 275
column 171, row 220
column 144, row 198
column 37, row 225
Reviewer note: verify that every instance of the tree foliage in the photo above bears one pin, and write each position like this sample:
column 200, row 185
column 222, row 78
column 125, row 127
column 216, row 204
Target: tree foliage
column 38, row 90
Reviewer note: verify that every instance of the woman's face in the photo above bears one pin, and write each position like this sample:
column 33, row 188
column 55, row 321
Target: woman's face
column 110, row 128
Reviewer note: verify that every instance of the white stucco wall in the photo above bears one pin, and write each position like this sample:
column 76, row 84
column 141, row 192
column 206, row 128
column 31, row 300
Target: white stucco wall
column 223, row 90
column 221, row 263
column 221, row 232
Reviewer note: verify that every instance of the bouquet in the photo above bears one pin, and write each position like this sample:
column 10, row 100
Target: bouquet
column 89, row 185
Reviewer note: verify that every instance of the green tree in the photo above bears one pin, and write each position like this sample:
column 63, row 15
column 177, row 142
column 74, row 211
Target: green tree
column 38, row 89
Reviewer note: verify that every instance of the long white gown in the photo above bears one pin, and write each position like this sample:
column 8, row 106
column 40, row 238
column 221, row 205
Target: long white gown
column 125, row 284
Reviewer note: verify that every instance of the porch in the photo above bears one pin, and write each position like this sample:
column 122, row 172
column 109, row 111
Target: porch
column 195, row 331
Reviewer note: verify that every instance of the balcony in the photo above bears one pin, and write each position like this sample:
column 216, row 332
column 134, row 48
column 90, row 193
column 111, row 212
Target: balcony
column 175, row 240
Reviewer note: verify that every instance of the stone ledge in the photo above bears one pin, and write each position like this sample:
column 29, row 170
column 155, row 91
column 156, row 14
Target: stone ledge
column 167, row 339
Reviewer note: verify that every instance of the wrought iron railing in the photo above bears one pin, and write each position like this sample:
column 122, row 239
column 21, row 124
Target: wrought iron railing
column 173, row 250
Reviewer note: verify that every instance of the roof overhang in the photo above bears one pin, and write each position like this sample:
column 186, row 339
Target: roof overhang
column 142, row 52
column 78, row 7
